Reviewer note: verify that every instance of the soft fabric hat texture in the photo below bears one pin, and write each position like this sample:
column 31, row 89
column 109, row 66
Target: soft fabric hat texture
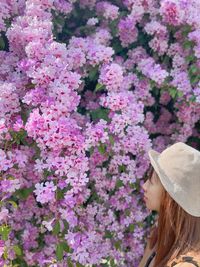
column 178, row 168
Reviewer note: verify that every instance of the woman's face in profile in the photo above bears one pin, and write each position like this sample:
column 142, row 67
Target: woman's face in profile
column 153, row 190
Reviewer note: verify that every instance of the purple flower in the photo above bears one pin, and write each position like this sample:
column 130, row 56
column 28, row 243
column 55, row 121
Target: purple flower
column 45, row 192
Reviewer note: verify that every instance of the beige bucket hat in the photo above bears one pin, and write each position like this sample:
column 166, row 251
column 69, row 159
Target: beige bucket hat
column 178, row 168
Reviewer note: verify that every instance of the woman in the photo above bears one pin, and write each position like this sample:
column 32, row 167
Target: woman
column 173, row 190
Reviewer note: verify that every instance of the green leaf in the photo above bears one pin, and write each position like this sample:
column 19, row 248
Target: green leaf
column 112, row 263
column 108, row 234
column 59, row 252
column 13, row 203
column 152, row 84
column 99, row 87
column 117, row 46
column 66, row 226
column 179, row 93
column 193, row 69
column 19, row 137
column 66, row 248
column 119, row 183
column 188, row 44
column 122, row 168
column 56, row 228
column 79, row 265
column 46, row 173
column 4, row 232
column 5, row 255
column 91, row 150
column 172, row 92
column 186, row 29
column 131, row 227
column 93, row 73
column 193, row 98
column 118, row 245
column 69, row 263
column 102, row 148
column 111, row 140
column 60, row 194
column 2, row 43
column 100, row 113
column 194, row 79
column 24, row 193
column 190, row 58
column 17, row 250
column 113, row 27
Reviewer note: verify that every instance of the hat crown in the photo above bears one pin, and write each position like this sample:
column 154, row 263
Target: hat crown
column 179, row 156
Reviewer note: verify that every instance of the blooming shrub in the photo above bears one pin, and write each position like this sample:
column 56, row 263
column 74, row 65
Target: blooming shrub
column 86, row 89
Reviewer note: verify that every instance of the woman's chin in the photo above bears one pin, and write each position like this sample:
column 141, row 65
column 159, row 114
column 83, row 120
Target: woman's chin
column 149, row 207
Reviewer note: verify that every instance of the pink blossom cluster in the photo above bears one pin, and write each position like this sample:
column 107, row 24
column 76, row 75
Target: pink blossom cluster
column 111, row 76
column 128, row 32
column 109, row 11
column 86, row 89
column 173, row 12
column 159, row 43
column 96, row 134
column 150, row 69
column 9, row 100
column 45, row 192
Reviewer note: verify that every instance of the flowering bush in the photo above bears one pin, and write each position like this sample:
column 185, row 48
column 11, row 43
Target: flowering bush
column 86, row 89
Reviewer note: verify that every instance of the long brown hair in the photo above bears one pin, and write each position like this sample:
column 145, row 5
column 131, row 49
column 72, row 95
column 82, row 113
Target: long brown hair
column 176, row 233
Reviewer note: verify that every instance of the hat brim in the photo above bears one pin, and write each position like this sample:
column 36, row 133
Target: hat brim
column 153, row 155
column 165, row 181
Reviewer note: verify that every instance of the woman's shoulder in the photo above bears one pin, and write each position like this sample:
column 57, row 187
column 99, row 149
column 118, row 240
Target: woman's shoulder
column 185, row 264
column 190, row 259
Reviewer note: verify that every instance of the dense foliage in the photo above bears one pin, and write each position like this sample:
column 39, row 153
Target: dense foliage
column 86, row 89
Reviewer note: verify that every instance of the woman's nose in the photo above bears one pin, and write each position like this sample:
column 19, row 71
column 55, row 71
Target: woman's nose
column 144, row 186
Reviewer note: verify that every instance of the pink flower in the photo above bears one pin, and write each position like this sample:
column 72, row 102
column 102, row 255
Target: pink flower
column 181, row 81
column 9, row 100
column 3, row 128
column 102, row 36
column 109, row 11
column 3, row 214
column 45, row 192
column 111, row 76
column 165, row 98
column 5, row 14
column 18, row 125
column 35, row 96
column 96, row 133
column 115, row 101
column 63, row 6
column 127, row 31
column 76, row 58
column 69, row 216
column 159, row 45
column 197, row 93
column 92, row 21
column 5, row 160
column 2, row 243
column 48, row 81
column 99, row 54
column 172, row 12
column 152, row 70
column 156, row 28
column 10, row 185
column 48, row 224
